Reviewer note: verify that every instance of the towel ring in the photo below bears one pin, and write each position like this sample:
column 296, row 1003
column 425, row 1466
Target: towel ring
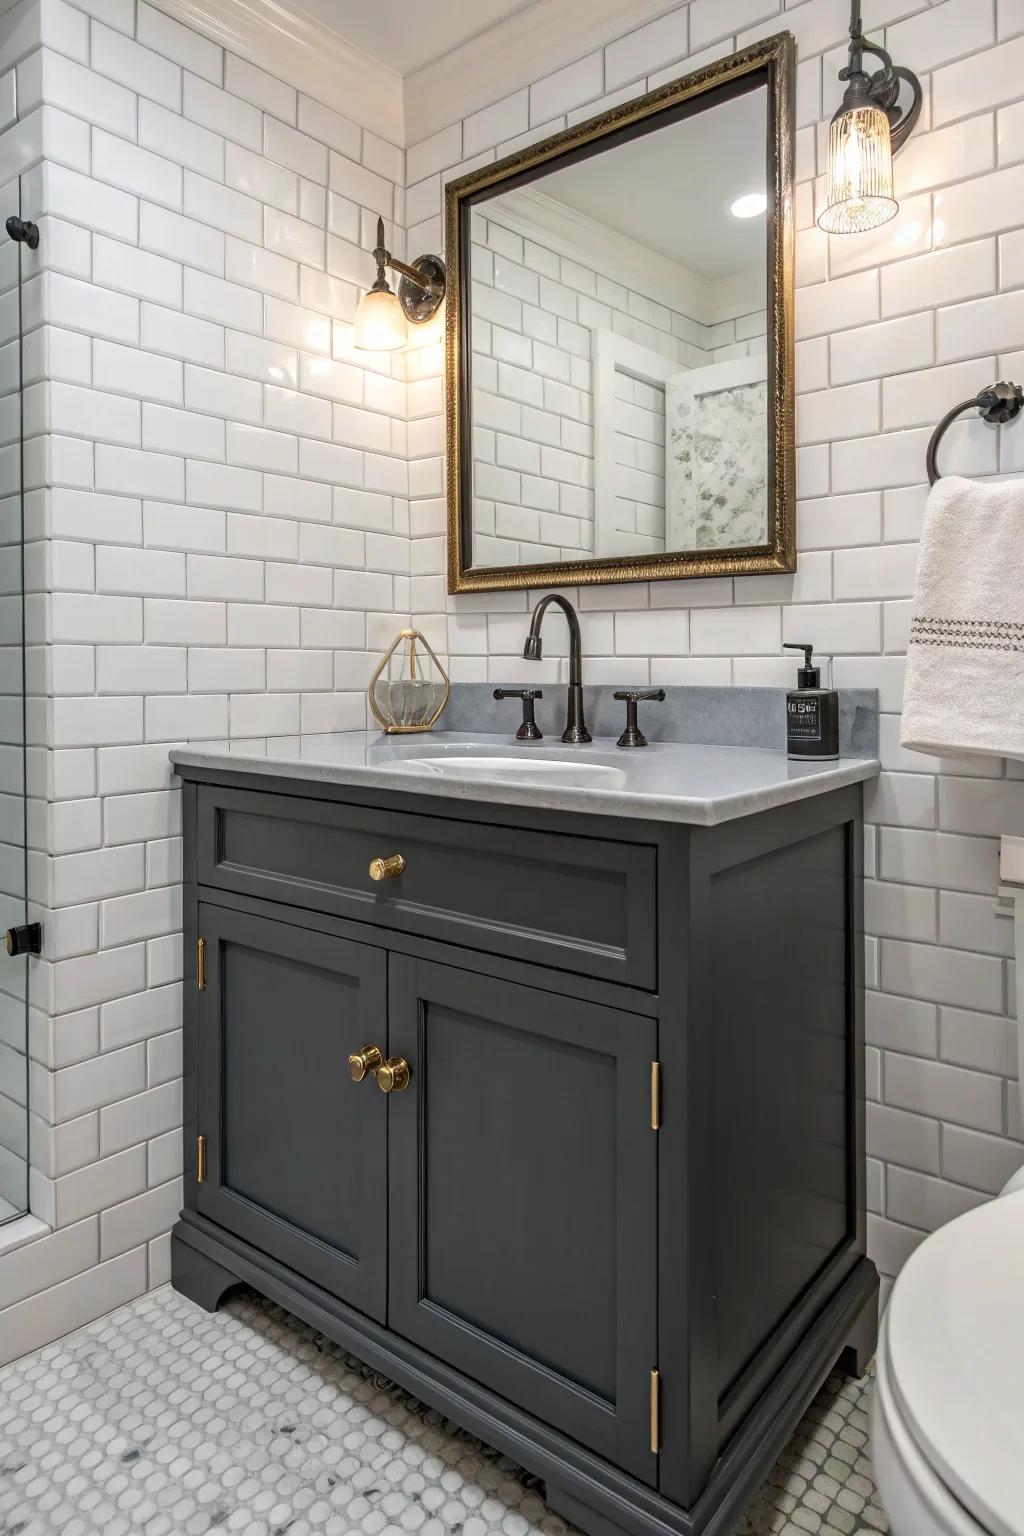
column 999, row 403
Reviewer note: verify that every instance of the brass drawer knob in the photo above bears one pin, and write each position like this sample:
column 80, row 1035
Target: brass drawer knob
column 363, row 1063
column 394, row 1075
column 386, row 869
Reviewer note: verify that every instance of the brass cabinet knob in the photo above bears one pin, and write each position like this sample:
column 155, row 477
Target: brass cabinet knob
column 364, row 1062
column 394, row 1075
column 386, row 869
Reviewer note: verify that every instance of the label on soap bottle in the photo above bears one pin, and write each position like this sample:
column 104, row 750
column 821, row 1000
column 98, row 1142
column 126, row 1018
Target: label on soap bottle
column 803, row 717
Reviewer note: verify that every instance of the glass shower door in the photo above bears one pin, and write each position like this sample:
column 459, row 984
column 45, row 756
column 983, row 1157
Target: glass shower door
column 20, row 939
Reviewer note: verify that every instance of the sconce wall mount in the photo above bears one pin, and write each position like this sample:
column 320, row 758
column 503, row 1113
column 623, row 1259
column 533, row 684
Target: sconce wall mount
column 421, row 295
column 881, row 89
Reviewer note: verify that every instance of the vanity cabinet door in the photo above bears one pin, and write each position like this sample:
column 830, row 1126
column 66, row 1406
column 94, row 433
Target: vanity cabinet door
column 296, row 1152
column 522, row 1192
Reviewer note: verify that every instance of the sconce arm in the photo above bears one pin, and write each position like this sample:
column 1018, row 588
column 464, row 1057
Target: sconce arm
column 428, row 284
column 422, row 287
column 905, row 124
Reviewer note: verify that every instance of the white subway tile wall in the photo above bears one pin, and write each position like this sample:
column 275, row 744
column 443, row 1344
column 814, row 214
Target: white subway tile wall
column 875, row 313
column 218, row 544
column 230, row 512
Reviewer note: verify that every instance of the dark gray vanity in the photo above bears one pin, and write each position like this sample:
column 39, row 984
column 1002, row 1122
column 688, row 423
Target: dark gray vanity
column 614, row 1221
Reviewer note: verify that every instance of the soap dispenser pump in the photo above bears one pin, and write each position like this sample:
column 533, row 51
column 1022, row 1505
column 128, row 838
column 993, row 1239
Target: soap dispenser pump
column 812, row 714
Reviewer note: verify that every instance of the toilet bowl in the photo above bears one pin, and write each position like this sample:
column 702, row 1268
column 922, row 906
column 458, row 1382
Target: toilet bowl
column 948, row 1426
column 947, row 1433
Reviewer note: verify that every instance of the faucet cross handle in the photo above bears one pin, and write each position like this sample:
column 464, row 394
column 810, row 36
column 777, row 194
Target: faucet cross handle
column 633, row 736
column 529, row 730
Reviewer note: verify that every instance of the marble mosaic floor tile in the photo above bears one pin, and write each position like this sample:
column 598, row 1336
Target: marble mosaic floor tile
column 163, row 1420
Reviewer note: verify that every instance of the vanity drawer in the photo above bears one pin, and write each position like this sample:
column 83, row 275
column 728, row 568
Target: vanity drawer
column 581, row 904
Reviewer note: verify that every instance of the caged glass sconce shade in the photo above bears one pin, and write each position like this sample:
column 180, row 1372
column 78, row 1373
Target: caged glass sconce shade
column 858, row 184
column 869, row 128
column 380, row 325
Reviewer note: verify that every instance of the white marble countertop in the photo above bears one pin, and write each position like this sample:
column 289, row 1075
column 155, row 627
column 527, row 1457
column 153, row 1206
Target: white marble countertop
column 666, row 781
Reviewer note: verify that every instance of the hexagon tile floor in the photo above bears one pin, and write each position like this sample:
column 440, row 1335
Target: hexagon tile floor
column 164, row 1420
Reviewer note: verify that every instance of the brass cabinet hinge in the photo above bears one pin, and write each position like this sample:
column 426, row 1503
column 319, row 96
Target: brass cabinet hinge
column 201, row 965
column 655, row 1095
column 200, row 1159
column 655, row 1412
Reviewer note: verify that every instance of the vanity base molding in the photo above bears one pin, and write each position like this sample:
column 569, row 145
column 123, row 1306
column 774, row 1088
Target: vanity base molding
column 207, row 1263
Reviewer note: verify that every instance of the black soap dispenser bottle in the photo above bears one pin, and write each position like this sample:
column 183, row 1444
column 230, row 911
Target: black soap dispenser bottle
column 812, row 715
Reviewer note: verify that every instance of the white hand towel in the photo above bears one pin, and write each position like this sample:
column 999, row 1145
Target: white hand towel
column 965, row 660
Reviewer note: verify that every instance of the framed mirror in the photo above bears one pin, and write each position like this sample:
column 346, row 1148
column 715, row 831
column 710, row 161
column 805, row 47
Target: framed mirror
column 620, row 341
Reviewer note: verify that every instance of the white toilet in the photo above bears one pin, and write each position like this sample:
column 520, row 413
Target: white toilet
column 948, row 1420
column 948, row 1417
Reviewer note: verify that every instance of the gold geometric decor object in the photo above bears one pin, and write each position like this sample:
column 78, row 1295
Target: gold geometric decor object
column 409, row 690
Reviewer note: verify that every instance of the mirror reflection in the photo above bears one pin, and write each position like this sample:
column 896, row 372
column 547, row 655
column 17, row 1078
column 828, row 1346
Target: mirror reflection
column 617, row 310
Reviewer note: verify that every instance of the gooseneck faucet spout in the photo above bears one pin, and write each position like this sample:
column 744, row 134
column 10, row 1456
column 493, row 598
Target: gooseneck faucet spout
column 575, row 732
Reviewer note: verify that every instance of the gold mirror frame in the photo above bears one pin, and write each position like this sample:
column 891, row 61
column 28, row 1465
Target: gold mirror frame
column 775, row 58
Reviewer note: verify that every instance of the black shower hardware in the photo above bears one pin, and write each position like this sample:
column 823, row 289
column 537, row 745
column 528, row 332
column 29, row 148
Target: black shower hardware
column 24, row 939
column 999, row 403
column 23, row 230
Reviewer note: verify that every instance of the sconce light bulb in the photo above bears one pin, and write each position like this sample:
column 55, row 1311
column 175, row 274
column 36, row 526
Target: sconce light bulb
column 379, row 325
column 749, row 205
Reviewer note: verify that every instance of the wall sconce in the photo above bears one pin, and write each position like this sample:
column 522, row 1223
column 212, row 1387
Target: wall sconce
column 381, row 318
column 864, row 135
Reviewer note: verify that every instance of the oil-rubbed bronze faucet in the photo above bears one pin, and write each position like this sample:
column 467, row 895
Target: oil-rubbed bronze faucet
column 575, row 732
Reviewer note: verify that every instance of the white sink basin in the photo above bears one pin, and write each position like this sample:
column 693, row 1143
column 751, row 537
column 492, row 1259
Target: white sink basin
column 514, row 770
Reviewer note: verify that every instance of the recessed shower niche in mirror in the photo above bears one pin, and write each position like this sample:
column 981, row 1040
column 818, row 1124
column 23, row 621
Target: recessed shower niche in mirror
column 620, row 342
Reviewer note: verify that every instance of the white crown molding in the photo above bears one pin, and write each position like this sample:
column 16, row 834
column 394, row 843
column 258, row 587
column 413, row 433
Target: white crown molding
column 576, row 235
column 745, row 293
column 524, row 47
column 293, row 47
column 636, row 266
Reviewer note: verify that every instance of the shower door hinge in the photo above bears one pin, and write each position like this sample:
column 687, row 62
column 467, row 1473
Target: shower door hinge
column 201, row 965
column 655, row 1412
column 200, row 1159
column 655, row 1095
column 23, row 230
column 25, row 939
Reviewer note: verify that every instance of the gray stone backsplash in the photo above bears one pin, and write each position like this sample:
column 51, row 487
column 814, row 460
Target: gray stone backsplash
column 722, row 717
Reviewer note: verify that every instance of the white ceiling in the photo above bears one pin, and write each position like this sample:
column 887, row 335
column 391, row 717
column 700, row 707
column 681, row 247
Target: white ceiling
column 404, row 35
column 672, row 189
